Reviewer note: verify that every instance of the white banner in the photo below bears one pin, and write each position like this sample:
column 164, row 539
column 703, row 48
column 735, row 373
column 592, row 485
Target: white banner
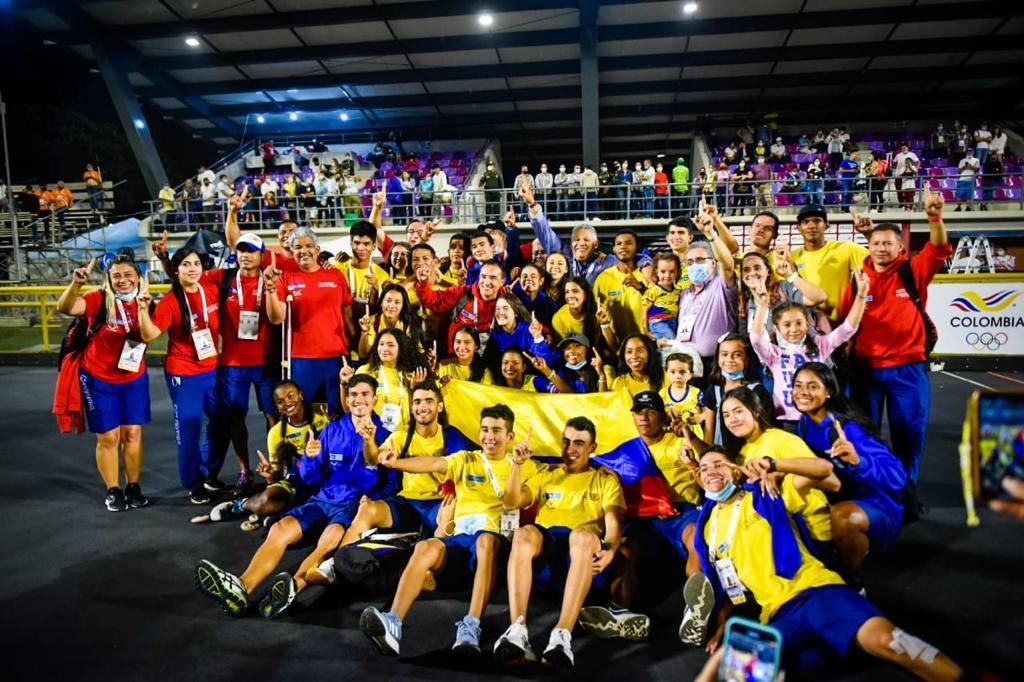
column 978, row 315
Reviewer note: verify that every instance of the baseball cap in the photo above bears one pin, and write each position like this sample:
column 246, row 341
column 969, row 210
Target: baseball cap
column 252, row 239
column 680, row 160
column 647, row 400
column 812, row 211
column 574, row 338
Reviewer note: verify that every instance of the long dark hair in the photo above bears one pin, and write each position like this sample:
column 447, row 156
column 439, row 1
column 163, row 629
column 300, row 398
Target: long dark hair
column 655, row 372
column 751, row 369
column 591, row 327
column 749, row 399
column 407, row 317
column 838, row 405
column 771, row 284
column 494, row 365
column 477, row 365
column 409, row 356
column 177, row 290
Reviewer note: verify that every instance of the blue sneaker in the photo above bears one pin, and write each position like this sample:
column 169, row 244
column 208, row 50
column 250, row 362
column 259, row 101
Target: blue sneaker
column 467, row 636
column 383, row 629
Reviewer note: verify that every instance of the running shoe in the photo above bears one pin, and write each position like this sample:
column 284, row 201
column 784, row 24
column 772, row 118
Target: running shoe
column 244, row 485
column 467, row 636
column 199, row 496
column 134, row 497
column 614, row 621
column 700, row 602
column 559, row 651
column 323, row 574
column 115, row 500
column 214, row 485
column 280, row 597
column 254, row 522
column 226, row 510
column 223, row 587
column 383, row 629
column 514, row 645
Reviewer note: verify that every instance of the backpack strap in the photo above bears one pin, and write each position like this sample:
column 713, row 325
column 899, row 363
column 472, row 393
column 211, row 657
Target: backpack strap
column 906, row 275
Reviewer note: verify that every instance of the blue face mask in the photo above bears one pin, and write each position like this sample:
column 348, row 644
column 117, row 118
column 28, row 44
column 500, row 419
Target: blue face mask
column 733, row 376
column 576, row 366
column 698, row 274
column 723, row 494
column 126, row 298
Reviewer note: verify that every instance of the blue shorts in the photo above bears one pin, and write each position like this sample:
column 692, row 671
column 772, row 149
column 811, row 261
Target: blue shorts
column 964, row 190
column 460, row 556
column 318, row 379
column 552, row 566
column 663, row 329
column 319, row 514
column 822, row 621
column 882, row 527
column 666, row 530
column 233, row 384
column 410, row 515
column 108, row 406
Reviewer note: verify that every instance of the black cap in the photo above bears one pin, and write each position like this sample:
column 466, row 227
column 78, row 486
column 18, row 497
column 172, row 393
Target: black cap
column 574, row 338
column 812, row 211
column 648, row 400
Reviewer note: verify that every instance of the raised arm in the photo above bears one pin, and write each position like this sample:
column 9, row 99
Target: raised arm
column 517, row 495
column 147, row 328
column 276, row 308
column 412, row 465
column 724, row 233
column 813, row 295
column 860, row 300
column 933, row 204
column 71, row 301
column 541, row 227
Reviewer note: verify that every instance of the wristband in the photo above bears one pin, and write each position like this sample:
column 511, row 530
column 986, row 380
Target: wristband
column 935, row 218
column 771, row 464
column 792, row 277
column 606, row 325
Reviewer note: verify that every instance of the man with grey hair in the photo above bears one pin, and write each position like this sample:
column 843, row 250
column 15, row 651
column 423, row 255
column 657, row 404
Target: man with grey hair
column 707, row 308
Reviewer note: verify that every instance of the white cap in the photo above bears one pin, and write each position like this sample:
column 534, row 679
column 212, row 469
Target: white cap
column 252, row 239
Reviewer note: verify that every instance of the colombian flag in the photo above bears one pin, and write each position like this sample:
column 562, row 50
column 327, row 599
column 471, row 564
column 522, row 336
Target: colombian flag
column 619, row 447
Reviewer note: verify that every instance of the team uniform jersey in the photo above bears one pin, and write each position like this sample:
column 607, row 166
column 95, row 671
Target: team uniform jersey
column 236, row 352
column 356, row 278
column 419, row 486
column 451, row 369
column 182, row 359
column 625, row 304
column 664, row 303
column 630, row 384
column 779, row 444
column 751, row 552
column 341, row 471
column 564, row 324
column 680, row 480
column 297, row 436
column 101, row 356
column 690, row 404
column 831, row 268
column 575, row 501
column 318, row 326
column 285, row 263
column 392, row 389
column 474, row 492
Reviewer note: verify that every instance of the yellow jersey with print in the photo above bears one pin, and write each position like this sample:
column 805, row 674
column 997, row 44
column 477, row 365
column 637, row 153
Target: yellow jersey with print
column 418, row 486
column 625, row 304
column 831, row 267
column 751, row 552
column 664, row 303
column 392, row 389
column 474, row 492
column 630, row 384
column 779, row 444
column 296, row 436
column 356, row 278
column 690, row 402
column 575, row 501
column 564, row 324
column 680, row 480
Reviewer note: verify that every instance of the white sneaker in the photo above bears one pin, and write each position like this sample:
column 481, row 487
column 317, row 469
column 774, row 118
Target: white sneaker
column 700, row 602
column 559, row 651
column 514, row 645
column 611, row 621
column 323, row 574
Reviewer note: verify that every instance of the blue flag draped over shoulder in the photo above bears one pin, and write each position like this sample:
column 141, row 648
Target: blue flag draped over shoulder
column 619, row 446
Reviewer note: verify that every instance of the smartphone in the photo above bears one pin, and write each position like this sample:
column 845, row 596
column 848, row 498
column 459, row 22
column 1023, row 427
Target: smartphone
column 752, row 652
column 992, row 451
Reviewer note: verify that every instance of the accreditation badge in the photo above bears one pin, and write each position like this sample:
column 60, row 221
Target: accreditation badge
column 248, row 325
column 131, row 355
column 203, row 341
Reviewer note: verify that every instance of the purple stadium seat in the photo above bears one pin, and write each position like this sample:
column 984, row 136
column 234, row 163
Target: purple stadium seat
column 1013, row 194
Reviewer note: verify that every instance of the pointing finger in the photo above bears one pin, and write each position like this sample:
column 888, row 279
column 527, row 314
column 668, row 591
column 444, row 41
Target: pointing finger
column 263, row 460
column 839, row 428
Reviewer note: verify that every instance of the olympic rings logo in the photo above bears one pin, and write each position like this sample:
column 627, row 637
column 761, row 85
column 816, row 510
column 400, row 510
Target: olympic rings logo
column 986, row 340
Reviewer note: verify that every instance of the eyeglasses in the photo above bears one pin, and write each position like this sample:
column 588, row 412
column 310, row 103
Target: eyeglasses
column 699, row 261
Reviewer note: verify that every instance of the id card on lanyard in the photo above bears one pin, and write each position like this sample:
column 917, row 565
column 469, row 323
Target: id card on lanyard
column 202, row 339
column 724, row 566
column 132, row 351
column 509, row 521
column 248, row 320
column 687, row 320
column 484, row 335
column 391, row 412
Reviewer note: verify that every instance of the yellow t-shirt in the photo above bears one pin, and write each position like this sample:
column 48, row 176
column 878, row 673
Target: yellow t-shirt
column 474, row 493
column 564, row 324
column 575, row 500
column 391, row 388
column 625, row 305
column 295, row 435
column 751, row 552
column 356, row 278
column 680, row 481
column 690, row 404
column 664, row 303
column 779, row 444
column 831, row 267
column 418, row 486
column 451, row 369
column 631, row 384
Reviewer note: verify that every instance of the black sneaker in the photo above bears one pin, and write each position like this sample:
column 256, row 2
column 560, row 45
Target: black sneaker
column 281, row 595
column 214, row 485
column 115, row 500
column 199, row 496
column 134, row 496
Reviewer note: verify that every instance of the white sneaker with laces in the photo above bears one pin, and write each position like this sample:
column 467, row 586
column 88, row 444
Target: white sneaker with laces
column 515, row 643
column 559, row 651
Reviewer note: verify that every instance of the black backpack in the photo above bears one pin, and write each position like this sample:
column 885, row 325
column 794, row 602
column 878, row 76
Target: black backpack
column 374, row 564
column 78, row 335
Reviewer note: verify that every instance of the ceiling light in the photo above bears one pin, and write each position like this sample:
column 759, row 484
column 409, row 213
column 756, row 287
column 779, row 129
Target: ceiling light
column 343, row 116
column 486, row 19
column 293, row 90
column 689, row 7
column 260, row 119
column 661, row 156
column 293, row 116
column 192, row 41
column 140, row 124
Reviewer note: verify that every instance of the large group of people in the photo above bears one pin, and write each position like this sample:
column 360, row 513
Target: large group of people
column 734, row 361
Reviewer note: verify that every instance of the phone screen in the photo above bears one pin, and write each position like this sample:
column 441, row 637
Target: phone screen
column 752, row 652
column 1000, row 442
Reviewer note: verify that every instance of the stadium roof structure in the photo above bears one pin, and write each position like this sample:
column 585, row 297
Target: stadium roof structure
column 547, row 74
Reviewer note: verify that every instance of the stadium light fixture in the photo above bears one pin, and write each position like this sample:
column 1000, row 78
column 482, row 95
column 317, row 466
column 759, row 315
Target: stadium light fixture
column 293, row 116
column 486, row 19
column 140, row 124
column 192, row 41
column 689, row 7
column 260, row 119
column 343, row 116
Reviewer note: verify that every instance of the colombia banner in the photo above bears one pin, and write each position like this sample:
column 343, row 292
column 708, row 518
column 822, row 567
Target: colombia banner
column 619, row 447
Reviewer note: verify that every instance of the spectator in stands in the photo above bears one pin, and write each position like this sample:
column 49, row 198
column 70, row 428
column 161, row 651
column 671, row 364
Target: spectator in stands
column 574, row 193
column 904, row 155
column 589, row 182
column 998, row 145
column 662, row 205
column 846, row 174
column 491, row 184
column 940, row 141
column 623, row 191
column 269, row 154
column 892, row 346
column 224, row 192
column 742, row 183
column 5, row 196
column 762, row 182
column 94, row 187
column 269, row 185
column 680, row 188
column 722, row 183
column 760, row 149
column 835, row 142
column 804, row 143
column 524, row 179
column 731, row 154
column 964, row 140
column 425, row 192
column 982, row 140
column 208, row 193
column 396, row 199
column 167, row 203
column 26, row 201
column 906, row 184
column 561, row 182
column 968, row 167
column 827, row 264
column 61, row 202
column 543, row 184
column 792, row 185
column 991, row 178
column 646, row 178
column 607, row 180
column 705, row 185
column 778, row 151
column 202, row 173
column 877, row 172
column 818, row 142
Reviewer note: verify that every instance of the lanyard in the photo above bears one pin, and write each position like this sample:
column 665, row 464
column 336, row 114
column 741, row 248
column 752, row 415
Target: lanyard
column 124, row 316
column 384, row 383
column 490, row 474
column 238, row 288
column 719, row 549
column 188, row 307
column 580, row 271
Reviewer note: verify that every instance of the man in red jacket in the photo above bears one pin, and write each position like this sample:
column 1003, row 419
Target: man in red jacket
column 891, row 347
column 469, row 305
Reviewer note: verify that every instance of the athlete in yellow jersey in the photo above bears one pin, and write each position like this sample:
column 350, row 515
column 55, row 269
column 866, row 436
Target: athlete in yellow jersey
column 829, row 265
column 476, row 544
column 751, row 547
column 573, row 540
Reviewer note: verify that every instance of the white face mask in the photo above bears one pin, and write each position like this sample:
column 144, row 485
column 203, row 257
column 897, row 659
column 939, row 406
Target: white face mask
column 792, row 348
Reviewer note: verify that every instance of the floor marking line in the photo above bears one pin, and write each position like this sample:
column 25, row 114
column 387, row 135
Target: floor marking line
column 1003, row 376
column 969, row 381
